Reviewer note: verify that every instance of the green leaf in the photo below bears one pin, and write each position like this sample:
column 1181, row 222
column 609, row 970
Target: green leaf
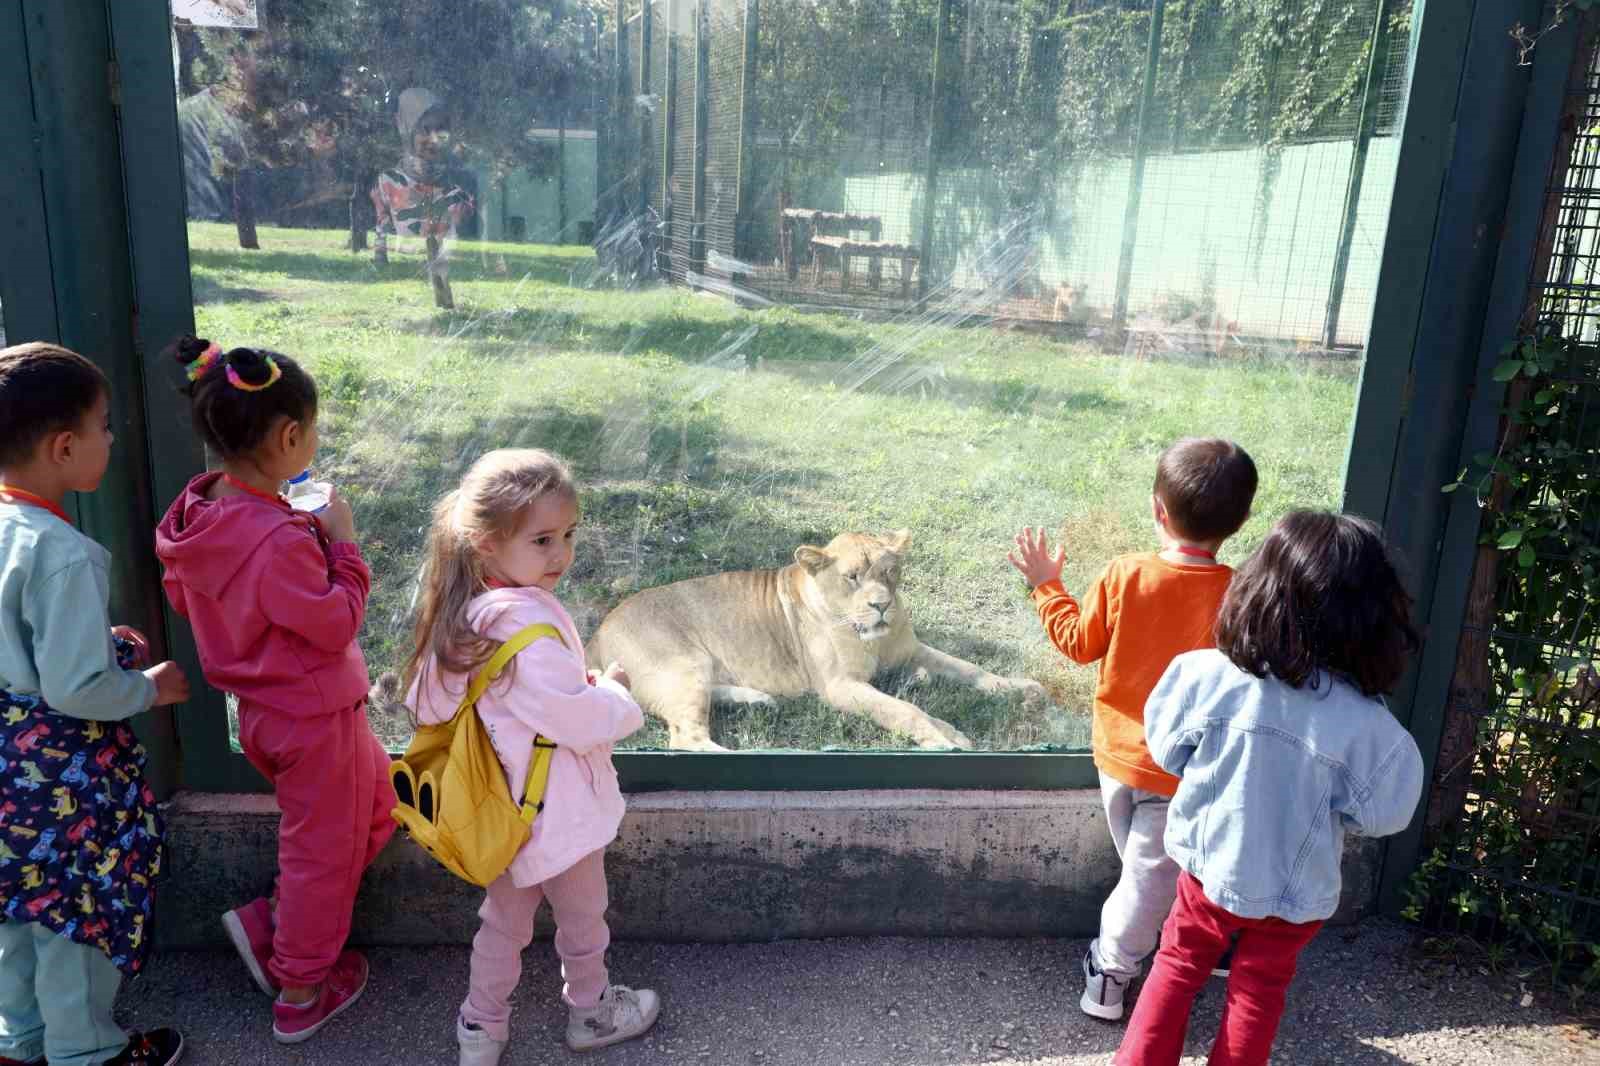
column 1507, row 369
column 1509, row 539
column 1450, row 487
column 1525, row 556
column 1544, row 395
column 1531, row 367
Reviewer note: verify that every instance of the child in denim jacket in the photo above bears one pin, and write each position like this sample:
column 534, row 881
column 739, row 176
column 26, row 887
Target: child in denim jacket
column 1282, row 744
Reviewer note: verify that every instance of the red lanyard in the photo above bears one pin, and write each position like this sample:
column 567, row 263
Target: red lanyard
column 1198, row 553
column 10, row 494
column 270, row 497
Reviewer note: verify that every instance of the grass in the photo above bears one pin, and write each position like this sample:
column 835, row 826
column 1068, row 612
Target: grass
column 709, row 438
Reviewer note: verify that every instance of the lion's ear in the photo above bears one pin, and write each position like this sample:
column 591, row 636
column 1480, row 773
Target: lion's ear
column 814, row 560
column 899, row 541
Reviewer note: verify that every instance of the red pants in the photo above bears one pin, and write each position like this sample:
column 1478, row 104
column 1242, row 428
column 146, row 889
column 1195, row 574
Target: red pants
column 1193, row 940
column 331, row 777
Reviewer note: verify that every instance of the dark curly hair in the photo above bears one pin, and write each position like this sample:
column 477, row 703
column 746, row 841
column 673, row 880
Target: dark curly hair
column 44, row 389
column 1321, row 594
column 232, row 420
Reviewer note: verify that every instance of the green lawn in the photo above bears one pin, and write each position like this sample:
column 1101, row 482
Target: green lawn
column 711, row 438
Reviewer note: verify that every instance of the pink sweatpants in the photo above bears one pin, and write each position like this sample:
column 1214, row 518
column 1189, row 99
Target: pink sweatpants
column 331, row 777
column 578, row 903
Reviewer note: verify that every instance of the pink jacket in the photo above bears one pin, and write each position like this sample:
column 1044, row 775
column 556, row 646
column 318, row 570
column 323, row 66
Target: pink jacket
column 275, row 607
column 549, row 694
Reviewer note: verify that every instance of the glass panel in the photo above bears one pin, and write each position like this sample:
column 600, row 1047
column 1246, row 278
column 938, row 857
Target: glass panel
column 765, row 274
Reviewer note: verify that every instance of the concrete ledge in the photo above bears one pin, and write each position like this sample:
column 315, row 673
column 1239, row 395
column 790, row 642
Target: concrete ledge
column 733, row 866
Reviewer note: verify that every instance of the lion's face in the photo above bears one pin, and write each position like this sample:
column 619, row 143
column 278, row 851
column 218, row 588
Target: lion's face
column 858, row 576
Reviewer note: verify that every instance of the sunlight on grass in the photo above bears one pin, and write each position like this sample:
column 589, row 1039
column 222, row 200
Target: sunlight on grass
column 709, row 438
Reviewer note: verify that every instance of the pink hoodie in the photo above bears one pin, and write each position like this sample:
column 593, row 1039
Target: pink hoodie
column 274, row 606
column 549, row 694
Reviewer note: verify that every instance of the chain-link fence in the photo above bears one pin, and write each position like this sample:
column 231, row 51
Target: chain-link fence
column 1163, row 165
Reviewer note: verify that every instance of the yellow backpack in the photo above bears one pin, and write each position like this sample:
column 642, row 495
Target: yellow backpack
column 454, row 798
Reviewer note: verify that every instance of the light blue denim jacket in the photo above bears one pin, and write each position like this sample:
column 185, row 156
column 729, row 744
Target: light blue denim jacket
column 1272, row 777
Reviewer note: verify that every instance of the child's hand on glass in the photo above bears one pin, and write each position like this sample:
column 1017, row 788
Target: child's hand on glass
column 1034, row 560
column 616, row 673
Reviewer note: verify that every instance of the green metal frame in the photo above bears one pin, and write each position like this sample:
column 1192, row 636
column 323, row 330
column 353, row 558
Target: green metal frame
column 1428, row 348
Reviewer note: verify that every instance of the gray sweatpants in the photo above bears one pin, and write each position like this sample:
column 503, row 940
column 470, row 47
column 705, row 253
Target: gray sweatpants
column 1131, row 919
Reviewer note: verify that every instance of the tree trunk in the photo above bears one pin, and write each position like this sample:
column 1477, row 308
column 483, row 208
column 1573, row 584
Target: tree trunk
column 359, row 210
column 244, row 207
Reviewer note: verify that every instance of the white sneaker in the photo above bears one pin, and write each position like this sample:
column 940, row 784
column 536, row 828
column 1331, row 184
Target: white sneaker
column 621, row 1014
column 478, row 1048
column 1102, row 992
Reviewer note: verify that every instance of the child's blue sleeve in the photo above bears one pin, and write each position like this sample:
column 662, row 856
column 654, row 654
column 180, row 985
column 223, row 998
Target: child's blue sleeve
column 1166, row 732
column 1394, row 790
column 73, row 653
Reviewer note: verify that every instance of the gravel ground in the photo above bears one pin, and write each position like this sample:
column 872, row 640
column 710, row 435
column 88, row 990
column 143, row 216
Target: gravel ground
column 1364, row 995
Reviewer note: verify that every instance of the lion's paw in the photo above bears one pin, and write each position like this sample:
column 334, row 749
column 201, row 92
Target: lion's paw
column 945, row 735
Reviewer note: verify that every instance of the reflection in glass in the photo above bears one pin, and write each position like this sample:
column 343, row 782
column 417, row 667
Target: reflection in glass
column 768, row 273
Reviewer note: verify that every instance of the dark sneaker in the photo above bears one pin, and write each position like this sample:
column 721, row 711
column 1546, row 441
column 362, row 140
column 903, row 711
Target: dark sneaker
column 158, row 1047
column 1103, row 993
column 250, row 930
column 338, row 992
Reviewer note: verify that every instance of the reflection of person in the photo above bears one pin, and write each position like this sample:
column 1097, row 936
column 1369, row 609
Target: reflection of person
column 498, row 547
column 276, row 598
column 76, row 891
column 1283, row 744
column 418, row 197
column 1143, row 611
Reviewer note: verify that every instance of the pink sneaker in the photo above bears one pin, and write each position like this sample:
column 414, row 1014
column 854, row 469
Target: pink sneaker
column 339, row 990
column 250, row 929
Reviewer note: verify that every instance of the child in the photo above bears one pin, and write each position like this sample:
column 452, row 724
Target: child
column 276, row 598
column 1145, row 610
column 1283, row 743
column 83, row 840
column 418, row 196
column 498, row 547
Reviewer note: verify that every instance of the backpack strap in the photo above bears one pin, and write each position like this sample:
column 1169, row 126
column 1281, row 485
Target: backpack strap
column 543, row 750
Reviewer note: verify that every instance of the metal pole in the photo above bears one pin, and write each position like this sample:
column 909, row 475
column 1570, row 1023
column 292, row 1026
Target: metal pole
column 1365, row 128
column 936, row 131
column 702, row 123
column 646, row 115
column 745, row 183
column 1130, row 218
column 618, row 158
column 561, row 178
column 669, row 125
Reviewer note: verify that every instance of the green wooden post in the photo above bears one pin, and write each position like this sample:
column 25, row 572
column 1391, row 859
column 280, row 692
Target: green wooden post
column 561, row 178
column 1366, row 126
column 71, row 83
column 702, row 134
column 1141, row 148
column 936, row 135
column 620, row 156
column 743, row 238
column 1431, row 346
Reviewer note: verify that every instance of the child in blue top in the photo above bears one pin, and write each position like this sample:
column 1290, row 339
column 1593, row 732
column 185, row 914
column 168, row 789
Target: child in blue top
column 1282, row 744
column 80, row 839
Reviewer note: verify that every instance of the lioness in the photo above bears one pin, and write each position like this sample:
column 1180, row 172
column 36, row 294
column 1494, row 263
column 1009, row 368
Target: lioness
column 826, row 624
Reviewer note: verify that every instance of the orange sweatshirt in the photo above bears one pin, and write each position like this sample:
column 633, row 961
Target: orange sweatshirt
column 1136, row 618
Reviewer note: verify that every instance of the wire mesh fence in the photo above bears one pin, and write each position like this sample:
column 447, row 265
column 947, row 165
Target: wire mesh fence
column 1163, row 167
column 1515, row 815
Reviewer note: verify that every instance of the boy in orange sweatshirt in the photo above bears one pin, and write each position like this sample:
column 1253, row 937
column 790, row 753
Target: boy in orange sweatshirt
column 1140, row 614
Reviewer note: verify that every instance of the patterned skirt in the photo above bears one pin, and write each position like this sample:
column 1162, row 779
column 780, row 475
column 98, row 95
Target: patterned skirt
column 81, row 841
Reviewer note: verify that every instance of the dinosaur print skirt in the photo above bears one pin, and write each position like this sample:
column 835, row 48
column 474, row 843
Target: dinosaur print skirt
column 80, row 835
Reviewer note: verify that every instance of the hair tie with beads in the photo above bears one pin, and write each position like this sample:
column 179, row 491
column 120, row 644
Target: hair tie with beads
column 240, row 383
column 205, row 361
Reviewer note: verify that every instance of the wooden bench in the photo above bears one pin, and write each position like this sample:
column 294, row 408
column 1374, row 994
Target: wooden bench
column 845, row 249
column 808, row 223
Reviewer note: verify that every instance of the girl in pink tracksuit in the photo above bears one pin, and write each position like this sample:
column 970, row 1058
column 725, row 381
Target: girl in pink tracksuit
column 276, row 598
column 498, row 547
